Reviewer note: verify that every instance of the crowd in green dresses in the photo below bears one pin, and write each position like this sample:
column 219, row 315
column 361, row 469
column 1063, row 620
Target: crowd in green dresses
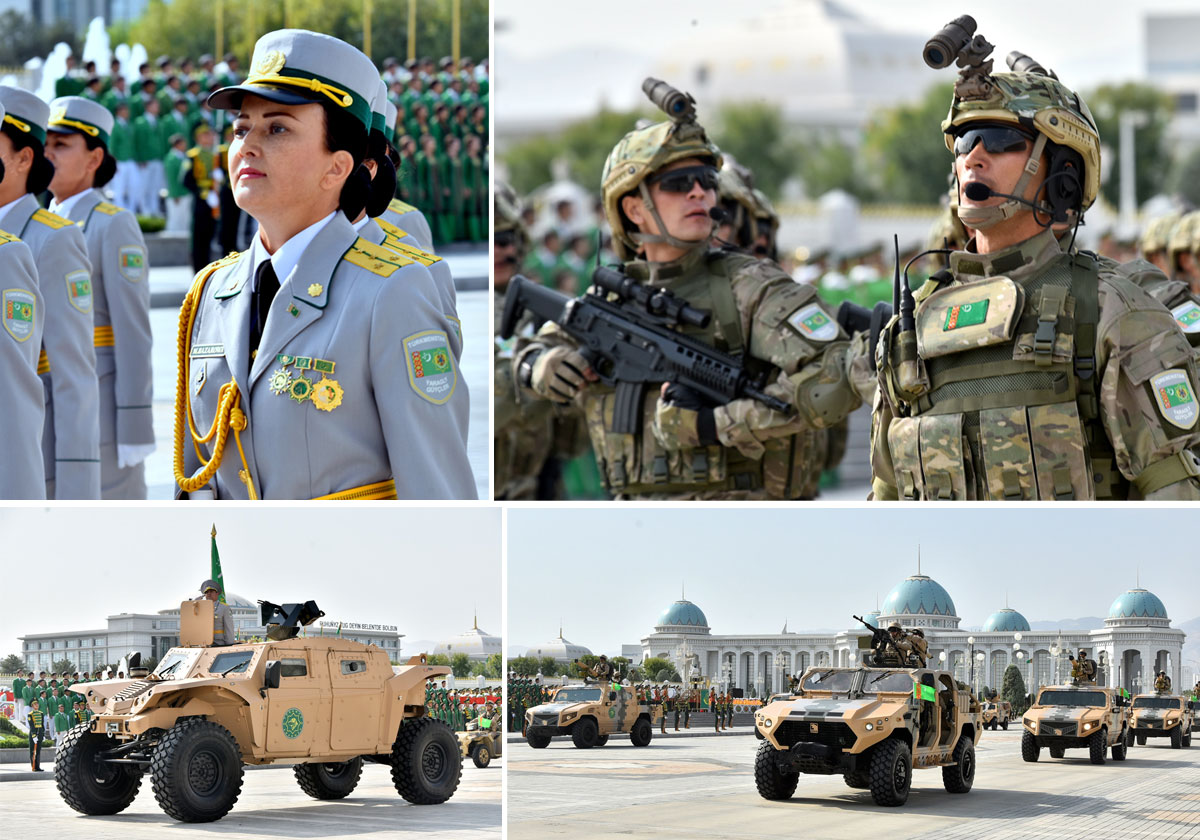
column 60, row 707
column 458, row 707
column 523, row 694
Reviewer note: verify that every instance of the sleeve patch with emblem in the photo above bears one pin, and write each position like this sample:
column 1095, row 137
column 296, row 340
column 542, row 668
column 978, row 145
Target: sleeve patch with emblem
column 1187, row 315
column 813, row 323
column 131, row 259
column 79, row 290
column 19, row 307
column 430, row 366
column 1174, row 397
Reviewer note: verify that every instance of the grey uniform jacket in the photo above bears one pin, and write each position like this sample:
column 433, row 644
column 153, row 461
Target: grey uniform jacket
column 412, row 221
column 366, row 333
column 223, row 631
column 71, row 434
column 22, row 474
column 121, row 295
column 403, row 242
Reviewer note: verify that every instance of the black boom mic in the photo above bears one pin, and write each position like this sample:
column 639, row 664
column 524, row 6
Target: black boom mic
column 977, row 191
column 719, row 215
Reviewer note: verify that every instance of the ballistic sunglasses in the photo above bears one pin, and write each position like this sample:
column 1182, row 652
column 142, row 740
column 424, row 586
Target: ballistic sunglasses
column 681, row 180
column 995, row 138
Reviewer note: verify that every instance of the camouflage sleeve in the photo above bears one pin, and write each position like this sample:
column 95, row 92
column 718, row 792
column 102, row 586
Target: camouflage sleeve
column 883, row 475
column 787, row 325
column 1147, row 393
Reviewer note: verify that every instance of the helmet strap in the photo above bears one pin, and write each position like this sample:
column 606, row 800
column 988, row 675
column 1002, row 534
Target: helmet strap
column 664, row 235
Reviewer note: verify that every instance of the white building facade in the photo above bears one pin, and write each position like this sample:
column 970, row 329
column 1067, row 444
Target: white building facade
column 1136, row 642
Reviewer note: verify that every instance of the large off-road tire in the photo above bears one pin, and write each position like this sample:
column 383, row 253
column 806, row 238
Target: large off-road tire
column 426, row 764
column 1121, row 748
column 602, row 740
column 772, row 783
column 1141, row 739
column 859, row 779
column 329, row 781
column 1058, row 752
column 959, row 776
column 88, row 787
column 1097, row 747
column 1177, row 737
column 196, row 771
column 1029, row 747
column 1187, row 737
column 585, row 733
column 538, row 742
column 481, row 754
column 642, row 733
column 1003, row 726
column 891, row 773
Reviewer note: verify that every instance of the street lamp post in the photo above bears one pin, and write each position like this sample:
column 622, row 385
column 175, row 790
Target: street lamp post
column 1055, row 650
column 980, row 656
column 971, row 654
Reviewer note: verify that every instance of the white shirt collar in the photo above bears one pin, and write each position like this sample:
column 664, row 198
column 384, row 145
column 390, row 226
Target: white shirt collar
column 361, row 223
column 64, row 209
column 287, row 256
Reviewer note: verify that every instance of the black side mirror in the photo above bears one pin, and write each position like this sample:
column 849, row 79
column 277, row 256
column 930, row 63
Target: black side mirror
column 271, row 675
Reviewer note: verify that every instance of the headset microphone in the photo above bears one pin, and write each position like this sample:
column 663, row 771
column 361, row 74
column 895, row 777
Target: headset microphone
column 718, row 215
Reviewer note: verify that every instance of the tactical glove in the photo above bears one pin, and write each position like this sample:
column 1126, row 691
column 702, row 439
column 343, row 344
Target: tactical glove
column 683, row 419
column 558, row 374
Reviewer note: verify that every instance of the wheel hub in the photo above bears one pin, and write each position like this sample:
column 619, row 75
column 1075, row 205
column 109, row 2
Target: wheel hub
column 433, row 761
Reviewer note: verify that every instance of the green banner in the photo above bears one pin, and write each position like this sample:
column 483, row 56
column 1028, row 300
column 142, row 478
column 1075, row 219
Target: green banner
column 485, row 723
column 216, row 566
column 924, row 692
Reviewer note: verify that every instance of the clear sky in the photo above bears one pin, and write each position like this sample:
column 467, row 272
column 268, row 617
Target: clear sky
column 422, row 570
column 609, row 574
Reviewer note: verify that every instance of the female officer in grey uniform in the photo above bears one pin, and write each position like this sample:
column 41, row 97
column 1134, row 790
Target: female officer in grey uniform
column 316, row 364
column 23, row 316
column 67, row 365
column 77, row 145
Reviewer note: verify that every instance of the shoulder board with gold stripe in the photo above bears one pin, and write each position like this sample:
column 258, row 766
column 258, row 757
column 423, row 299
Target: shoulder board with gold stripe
column 228, row 259
column 411, row 251
column 51, row 220
column 193, row 153
column 107, row 209
column 375, row 258
column 6, row 237
column 398, row 206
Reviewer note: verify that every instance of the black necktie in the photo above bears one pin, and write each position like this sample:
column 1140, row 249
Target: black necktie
column 264, row 293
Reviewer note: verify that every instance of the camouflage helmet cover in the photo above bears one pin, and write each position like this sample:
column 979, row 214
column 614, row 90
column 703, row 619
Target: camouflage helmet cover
column 1038, row 103
column 1158, row 233
column 508, row 216
column 1186, row 236
column 639, row 154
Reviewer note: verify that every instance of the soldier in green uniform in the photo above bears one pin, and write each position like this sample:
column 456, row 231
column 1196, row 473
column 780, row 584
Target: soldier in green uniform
column 36, row 722
column 658, row 189
column 1025, row 348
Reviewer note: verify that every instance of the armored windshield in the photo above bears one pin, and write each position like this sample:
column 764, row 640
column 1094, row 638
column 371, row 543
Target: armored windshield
column 1072, row 698
column 1157, row 703
column 234, row 662
column 830, row 680
column 889, row 682
column 987, row 707
column 176, row 663
column 577, row 695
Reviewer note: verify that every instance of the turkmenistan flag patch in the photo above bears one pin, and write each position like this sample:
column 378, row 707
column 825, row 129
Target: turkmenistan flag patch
column 132, row 262
column 430, row 366
column 965, row 315
column 1187, row 315
column 813, row 323
column 1175, row 398
column 79, row 290
column 924, row 692
column 18, row 308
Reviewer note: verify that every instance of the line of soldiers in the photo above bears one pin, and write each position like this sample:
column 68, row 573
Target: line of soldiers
column 458, row 707
column 523, row 694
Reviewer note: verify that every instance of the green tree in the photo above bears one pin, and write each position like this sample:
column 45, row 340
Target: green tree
column 460, row 664
column 1012, row 689
column 437, row 659
column 11, row 664
column 755, row 134
column 829, row 164
column 63, row 665
column 493, row 666
column 906, row 150
column 658, row 669
column 548, row 666
column 523, row 666
column 1151, row 156
column 620, row 666
column 1187, row 178
column 22, row 39
column 584, row 145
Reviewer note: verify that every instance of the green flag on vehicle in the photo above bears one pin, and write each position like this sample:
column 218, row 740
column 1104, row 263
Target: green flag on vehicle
column 216, row 566
column 924, row 692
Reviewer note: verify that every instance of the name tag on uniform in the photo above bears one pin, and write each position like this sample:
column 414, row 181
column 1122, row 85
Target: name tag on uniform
column 203, row 351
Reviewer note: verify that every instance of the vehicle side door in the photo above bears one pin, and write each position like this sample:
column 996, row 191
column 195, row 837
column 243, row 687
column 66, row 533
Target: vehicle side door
column 295, row 719
column 357, row 685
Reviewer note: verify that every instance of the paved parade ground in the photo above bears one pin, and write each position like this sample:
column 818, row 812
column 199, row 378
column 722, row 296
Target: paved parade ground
column 272, row 805
column 703, row 787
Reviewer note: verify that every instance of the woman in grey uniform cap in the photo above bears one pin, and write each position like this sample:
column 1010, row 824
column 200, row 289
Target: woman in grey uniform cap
column 316, row 364
column 23, row 317
column 67, row 365
column 77, row 144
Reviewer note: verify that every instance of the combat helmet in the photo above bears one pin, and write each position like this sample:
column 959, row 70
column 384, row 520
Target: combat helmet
column 508, row 217
column 1184, row 237
column 1158, row 234
column 748, row 211
column 644, row 151
column 1030, row 98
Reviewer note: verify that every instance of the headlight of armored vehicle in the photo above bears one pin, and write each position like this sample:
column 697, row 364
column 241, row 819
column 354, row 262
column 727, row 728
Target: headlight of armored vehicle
column 1172, row 721
column 870, row 727
column 766, row 722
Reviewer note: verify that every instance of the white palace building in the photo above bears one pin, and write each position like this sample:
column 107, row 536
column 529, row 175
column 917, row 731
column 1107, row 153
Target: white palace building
column 1135, row 642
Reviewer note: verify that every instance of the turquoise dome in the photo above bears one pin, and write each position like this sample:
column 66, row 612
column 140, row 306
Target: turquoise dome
column 1006, row 621
column 683, row 614
column 1137, row 603
column 918, row 595
column 872, row 618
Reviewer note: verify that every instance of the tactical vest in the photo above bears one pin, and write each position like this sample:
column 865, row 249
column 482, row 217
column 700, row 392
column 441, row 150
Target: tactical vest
column 1010, row 409
column 636, row 465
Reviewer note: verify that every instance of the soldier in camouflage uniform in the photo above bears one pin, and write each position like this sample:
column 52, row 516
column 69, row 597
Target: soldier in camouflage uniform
column 658, row 188
column 1155, row 239
column 1032, row 373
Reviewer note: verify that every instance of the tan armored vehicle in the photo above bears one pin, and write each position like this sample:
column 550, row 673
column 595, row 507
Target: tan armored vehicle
column 481, row 745
column 324, row 704
column 1162, row 716
column 872, row 725
column 589, row 714
column 1074, row 717
column 997, row 713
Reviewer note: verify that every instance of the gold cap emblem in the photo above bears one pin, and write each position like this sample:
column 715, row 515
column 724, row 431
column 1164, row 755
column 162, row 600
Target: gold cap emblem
column 315, row 290
column 269, row 64
column 58, row 113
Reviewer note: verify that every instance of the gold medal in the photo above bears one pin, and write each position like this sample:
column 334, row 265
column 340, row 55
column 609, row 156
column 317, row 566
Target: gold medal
column 327, row 394
column 280, row 380
column 300, row 389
